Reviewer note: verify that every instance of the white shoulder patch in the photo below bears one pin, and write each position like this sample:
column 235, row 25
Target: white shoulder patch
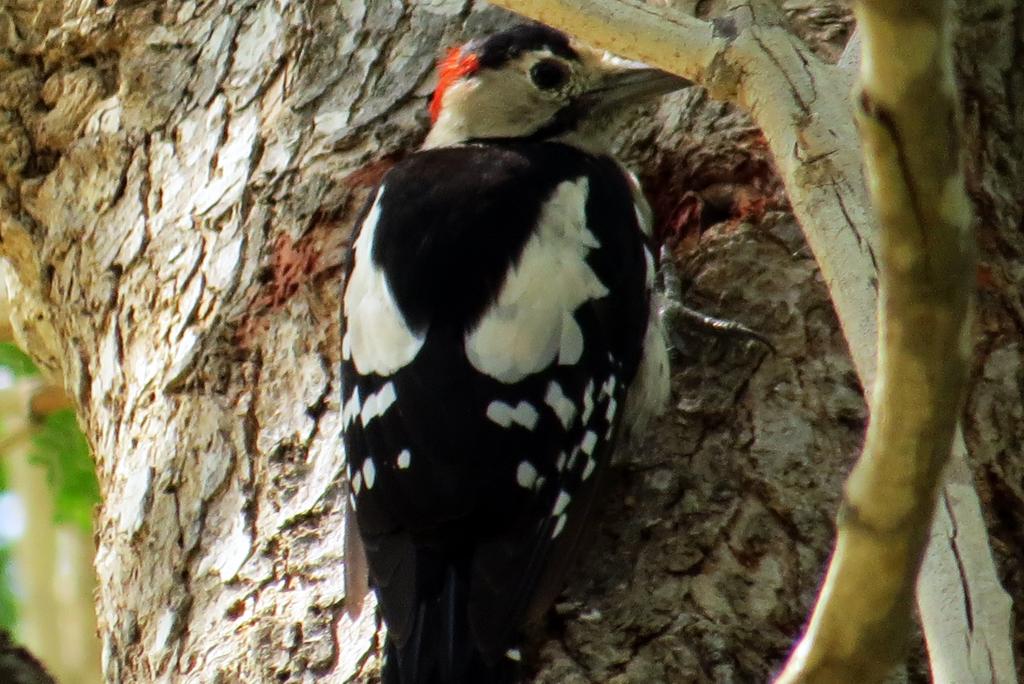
column 378, row 338
column 532, row 323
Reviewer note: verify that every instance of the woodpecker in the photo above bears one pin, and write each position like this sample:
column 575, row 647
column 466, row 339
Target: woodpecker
column 499, row 338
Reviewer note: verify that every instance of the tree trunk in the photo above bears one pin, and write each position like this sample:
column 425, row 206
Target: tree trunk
column 179, row 179
column 991, row 44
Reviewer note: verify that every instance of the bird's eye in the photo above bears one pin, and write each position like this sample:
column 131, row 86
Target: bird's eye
column 549, row 74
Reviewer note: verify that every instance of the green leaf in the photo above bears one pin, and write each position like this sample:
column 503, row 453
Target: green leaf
column 8, row 602
column 16, row 360
column 60, row 447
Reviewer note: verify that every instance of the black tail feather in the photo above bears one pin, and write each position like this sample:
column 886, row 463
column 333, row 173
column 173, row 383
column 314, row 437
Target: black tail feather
column 477, row 671
column 441, row 649
column 452, row 632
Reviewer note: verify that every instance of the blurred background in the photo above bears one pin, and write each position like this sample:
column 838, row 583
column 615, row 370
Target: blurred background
column 48, row 491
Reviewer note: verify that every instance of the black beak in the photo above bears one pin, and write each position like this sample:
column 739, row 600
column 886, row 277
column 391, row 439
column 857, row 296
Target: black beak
column 630, row 84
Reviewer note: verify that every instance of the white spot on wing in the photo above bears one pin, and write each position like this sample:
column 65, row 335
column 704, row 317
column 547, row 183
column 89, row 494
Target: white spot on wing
column 504, row 415
column 514, row 654
column 357, row 483
column 404, row 459
column 589, row 442
column 346, row 348
column 572, row 458
column 380, row 341
column 609, row 414
column 589, row 469
column 376, row 404
column 351, row 409
column 588, row 401
column 369, row 473
column 559, row 526
column 560, row 404
column 560, row 463
column 531, row 323
column 526, row 475
column 561, row 502
column 570, row 346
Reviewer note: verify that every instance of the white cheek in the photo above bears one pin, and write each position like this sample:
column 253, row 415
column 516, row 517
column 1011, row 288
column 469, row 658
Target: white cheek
column 489, row 104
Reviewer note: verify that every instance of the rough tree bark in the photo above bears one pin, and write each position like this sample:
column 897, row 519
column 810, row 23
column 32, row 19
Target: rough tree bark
column 178, row 182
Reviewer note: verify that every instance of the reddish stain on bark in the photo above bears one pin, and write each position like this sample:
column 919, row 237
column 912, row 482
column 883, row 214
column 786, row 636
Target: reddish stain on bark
column 985, row 278
column 315, row 258
column 292, row 264
column 369, row 175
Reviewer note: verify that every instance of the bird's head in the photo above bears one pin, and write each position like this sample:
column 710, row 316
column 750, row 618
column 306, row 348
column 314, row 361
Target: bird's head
column 531, row 82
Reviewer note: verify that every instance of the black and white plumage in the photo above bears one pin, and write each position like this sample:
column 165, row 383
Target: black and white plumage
column 498, row 336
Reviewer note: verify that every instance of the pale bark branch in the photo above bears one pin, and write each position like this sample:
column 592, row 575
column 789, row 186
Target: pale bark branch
column 965, row 613
column 801, row 104
column 964, row 610
column 913, row 162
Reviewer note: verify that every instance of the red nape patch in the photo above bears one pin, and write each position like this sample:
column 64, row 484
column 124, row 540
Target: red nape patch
column 454, row 66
